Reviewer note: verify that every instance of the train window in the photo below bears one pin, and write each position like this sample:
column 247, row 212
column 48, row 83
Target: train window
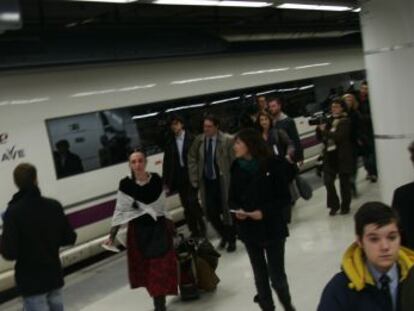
column 86, row 142
column 89, row 141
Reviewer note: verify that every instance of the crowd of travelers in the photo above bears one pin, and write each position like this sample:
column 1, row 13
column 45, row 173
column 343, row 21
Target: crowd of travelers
column 242, row 185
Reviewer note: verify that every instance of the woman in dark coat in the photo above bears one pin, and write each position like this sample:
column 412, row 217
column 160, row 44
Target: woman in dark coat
column 277, row 139
column 355, row 118
column 337, row 157
column 141, row 208
column 283, row 148
column 258, row 195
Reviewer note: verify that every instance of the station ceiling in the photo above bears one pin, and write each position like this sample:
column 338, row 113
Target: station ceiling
column 219, row 27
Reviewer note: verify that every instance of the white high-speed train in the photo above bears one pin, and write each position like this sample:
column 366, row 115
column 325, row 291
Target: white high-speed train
column 101, row 110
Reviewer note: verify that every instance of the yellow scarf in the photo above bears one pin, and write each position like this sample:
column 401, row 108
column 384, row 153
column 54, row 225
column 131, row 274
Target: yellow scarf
column 354, row 266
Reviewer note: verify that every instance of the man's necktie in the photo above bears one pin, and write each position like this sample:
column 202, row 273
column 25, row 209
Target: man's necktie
column 210, row 160
column 385, row 290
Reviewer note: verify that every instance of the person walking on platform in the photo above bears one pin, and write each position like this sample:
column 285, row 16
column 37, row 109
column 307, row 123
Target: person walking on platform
column 369, row 156
column 276, row 139
column 355, row 118
column 209, row 162
column 258, row 195
column 377, row 273
column 175, row 175
column 284, row 122
column 284, row 149
column 248, row 118
column 140, row 206
column 337, row 157
column 403, row 202
column 34, row 228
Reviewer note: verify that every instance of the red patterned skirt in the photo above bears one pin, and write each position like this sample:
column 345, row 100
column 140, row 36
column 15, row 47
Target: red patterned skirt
column 157, row 275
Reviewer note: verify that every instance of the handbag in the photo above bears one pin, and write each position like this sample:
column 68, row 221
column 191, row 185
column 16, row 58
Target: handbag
column 152, row 236
column 305, row 189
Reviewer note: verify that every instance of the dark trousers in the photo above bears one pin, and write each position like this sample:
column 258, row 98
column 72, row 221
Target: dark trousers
column 370, row 164
column 268, row 262
column 370, row 160
column 354, row 174
column 192, row 209
column 214, row 210
column 333, row 201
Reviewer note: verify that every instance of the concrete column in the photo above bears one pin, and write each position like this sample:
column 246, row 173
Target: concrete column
column 388, row 36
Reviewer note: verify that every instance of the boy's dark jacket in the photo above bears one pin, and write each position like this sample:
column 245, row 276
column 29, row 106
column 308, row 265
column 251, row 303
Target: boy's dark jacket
column 354, row 288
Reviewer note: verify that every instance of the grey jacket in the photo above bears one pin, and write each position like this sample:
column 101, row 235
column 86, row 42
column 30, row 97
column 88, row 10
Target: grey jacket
column 224, row 158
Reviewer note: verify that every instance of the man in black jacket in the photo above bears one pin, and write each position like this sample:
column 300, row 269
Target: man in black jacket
column 368, row 139
column 286, row 123
column 34, row 228
column 403, row 202
column 175, row 175
column 283, row 122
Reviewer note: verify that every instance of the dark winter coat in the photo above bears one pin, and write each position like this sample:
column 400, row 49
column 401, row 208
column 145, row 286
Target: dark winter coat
column 34, row 229
column 355, row 118
column 171, row 170
column 266, row 190
column 340, row 160
column 289, row 126
column 281, row 140
column 403, row 202
column 354, row 289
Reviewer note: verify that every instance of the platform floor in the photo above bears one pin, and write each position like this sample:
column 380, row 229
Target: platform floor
column 313, row 254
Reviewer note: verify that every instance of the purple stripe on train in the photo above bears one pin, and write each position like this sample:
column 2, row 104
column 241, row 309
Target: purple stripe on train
column 92, row 214
column 309, row 142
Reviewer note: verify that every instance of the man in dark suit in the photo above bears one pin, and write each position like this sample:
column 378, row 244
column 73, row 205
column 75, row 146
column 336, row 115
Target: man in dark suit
column 67, row 163
column 175, row 175
column 403, row 202
column 209, row 162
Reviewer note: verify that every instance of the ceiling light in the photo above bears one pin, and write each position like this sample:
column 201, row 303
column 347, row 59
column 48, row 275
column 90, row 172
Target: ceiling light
column 258, row 72
column 143, row 116
column 291, row 89
column 185, row 107
column 300, row 6
column 225, row 100
column 357, row 10
column 107, row 1
column 224, row 3
column 247, row 4
column 306, row 87
column 312, row 66
column 24, row 101
column 136, row 87
column 108, row 91
column 266, row 92
column 9, row 17
column 201, row 79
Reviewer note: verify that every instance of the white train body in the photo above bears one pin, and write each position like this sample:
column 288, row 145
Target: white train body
column 29, row 98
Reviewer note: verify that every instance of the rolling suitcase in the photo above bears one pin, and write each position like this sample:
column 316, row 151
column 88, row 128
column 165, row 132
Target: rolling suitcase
column 187, row 280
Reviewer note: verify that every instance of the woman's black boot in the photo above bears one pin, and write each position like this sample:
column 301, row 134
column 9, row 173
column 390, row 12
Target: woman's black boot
column 160, row 303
